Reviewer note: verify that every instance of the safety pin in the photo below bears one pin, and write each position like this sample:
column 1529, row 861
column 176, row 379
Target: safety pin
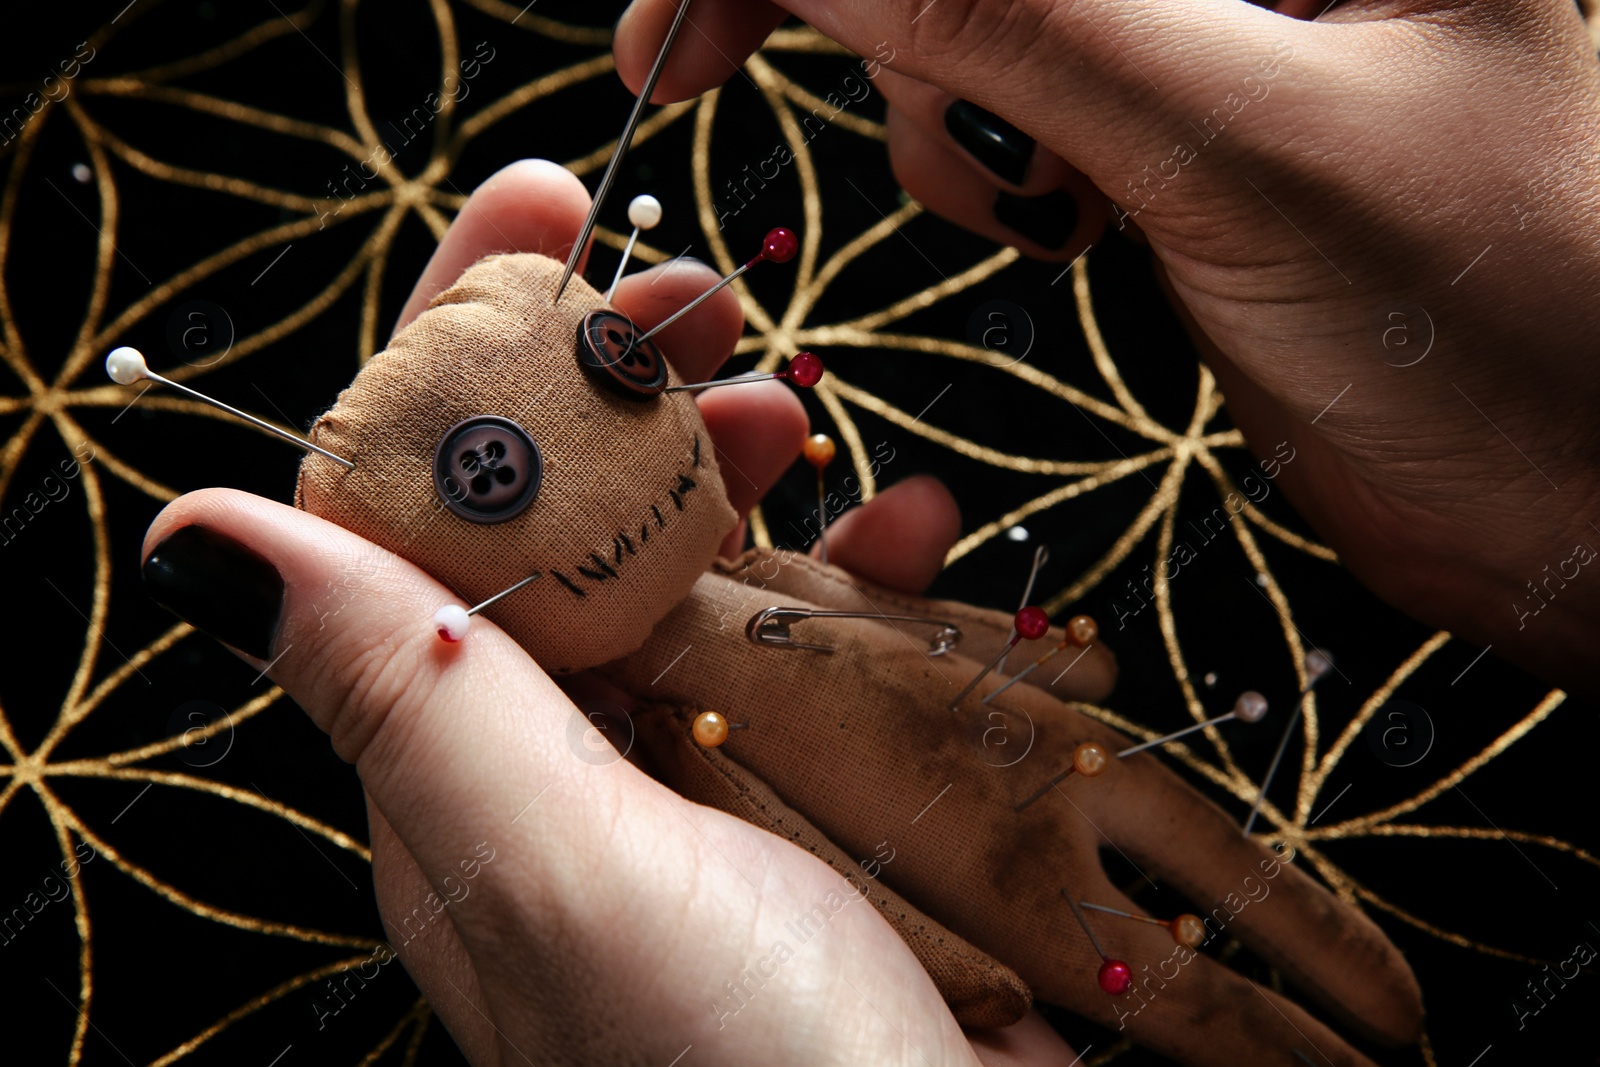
column 771, row 627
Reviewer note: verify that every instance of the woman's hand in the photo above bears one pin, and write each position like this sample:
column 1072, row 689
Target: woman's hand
column 1377, row 219
column 552, row 908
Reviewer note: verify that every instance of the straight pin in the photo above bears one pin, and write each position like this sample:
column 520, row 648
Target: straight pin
column 711, row 729
column 1088, row 759
column 1041, row 556
column 1032, row 623
column 453, row 621
column 645, row 214
column 1186, row 930
column 804, row 371
column 1081, row 632
column 779, row 246
column 1115, row 977
column 126, row 365
column 1318, row 663
column 819, row 452
column 1250, row 707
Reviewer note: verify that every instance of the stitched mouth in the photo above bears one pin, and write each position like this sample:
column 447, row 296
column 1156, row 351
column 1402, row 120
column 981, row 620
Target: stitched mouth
column 608, row 563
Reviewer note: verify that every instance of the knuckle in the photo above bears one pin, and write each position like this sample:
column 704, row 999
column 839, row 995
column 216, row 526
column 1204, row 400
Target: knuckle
column 955, row 32
column 379, row 680
column 369, row 679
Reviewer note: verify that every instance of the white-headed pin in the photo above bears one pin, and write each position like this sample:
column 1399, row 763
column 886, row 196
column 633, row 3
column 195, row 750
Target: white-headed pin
column 1318, row 663
column 126, row 365
column 1250, row 707
column 645, row 214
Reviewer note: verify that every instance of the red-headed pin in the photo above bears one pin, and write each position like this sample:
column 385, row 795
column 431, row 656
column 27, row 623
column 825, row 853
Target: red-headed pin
column 779, row 246
column 804, row 370
column 1031, row 624
column 1114, row 976
column 1081, row 632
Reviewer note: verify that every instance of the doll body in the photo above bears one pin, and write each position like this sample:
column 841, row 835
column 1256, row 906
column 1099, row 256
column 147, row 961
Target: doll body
column 852, row 754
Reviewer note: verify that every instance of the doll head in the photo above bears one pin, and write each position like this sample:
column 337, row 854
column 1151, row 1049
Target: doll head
column 492, row 443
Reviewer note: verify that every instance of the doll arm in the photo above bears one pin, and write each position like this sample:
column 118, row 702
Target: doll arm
column 979, row 991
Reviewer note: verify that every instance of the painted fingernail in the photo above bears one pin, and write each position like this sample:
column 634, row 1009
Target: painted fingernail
column 218, row 586
column 991, row 140
column 1046, row 220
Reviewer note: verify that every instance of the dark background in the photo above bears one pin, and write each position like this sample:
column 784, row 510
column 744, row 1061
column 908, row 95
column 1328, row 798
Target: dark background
column 162, row 974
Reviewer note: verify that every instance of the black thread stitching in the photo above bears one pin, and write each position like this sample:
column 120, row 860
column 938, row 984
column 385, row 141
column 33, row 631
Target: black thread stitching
column 623, row 543
column 564, row 580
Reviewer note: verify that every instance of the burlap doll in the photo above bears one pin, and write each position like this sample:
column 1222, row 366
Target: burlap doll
column 492, row 447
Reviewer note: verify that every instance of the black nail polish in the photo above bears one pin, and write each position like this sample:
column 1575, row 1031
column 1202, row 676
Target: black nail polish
column 1046, row 220
column 991, row 140
column 218, row 586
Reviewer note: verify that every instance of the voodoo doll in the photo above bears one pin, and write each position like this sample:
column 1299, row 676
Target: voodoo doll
column 509, row 443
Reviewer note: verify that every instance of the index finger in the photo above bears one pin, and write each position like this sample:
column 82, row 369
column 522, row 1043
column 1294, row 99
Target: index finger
column 531, row 205
column 534, row 205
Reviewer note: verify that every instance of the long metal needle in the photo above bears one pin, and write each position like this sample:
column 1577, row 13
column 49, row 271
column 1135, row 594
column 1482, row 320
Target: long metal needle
column 622, row 149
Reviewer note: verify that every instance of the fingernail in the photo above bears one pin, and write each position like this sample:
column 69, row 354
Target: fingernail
column 1046, row 220
column 218, row 586
column 991, row 140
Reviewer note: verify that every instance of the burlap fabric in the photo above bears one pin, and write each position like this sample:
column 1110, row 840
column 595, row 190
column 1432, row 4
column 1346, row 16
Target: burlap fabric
column 854, row 755
column 492, row 344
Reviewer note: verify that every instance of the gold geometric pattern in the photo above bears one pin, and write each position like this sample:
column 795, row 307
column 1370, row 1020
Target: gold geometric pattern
column 1166, row 459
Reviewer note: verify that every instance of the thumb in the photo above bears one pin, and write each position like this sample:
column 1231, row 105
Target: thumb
column 453, row 742
column 591, row 880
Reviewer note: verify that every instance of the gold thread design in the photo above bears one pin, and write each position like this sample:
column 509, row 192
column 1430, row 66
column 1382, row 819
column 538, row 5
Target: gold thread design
column 775, row 334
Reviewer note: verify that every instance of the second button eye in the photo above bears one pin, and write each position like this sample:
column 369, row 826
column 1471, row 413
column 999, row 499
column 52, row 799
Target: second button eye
column 611, row 350
column 487, row 469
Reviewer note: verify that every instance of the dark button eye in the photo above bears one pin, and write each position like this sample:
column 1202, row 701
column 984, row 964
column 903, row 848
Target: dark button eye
column 610, row 350
column 487, row 469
